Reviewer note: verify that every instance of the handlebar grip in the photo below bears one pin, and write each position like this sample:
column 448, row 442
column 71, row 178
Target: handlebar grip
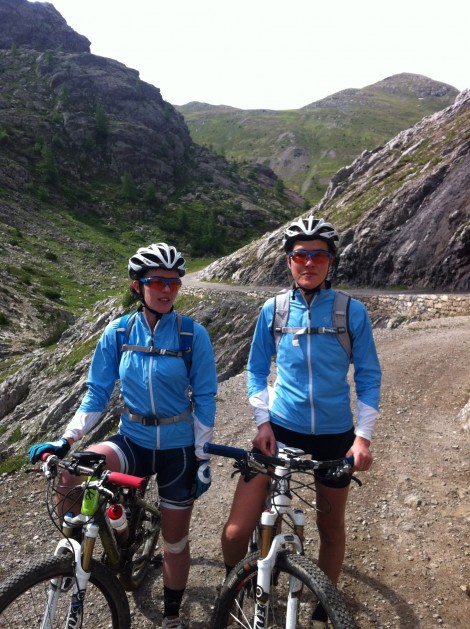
column 227, row 451
column 45, row 455
column 350, row 460
column 126, row 480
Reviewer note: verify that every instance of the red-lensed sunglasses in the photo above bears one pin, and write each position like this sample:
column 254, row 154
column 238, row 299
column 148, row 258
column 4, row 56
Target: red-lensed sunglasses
column 159, row 283
column 318, row 256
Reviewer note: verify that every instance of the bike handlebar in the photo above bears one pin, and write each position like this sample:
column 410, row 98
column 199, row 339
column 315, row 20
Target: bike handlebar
column 291, row 461
column 116, row 478
column 226, row 451
column 126, row 480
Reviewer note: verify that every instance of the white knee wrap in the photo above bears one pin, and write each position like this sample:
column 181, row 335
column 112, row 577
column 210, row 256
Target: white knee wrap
column 177, row 547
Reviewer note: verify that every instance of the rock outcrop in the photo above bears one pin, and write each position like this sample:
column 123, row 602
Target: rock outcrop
column 39, row 26
column 403, row 211
column 412, row 198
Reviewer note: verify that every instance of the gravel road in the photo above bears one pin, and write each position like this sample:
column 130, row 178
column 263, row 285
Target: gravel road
column 408, row 549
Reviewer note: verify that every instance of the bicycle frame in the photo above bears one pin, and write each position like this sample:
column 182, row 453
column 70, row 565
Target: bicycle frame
column 93, row 521
column 273, row 540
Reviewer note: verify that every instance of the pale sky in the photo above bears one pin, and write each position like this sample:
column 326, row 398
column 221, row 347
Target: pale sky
column 275, row 54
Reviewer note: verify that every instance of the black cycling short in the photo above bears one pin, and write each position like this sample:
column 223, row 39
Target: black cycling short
column 175, row 469
column 320, row 447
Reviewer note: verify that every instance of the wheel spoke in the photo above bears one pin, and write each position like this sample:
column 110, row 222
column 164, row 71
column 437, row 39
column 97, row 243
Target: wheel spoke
column 296, row 587
column 42, row 595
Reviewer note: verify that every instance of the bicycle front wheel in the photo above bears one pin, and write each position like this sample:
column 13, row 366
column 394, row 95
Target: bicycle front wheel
column 40, row 595
column 288, row 606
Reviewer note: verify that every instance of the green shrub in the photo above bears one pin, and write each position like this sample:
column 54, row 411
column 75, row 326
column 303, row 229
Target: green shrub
column 15, row 435
column 101, row 125
column 47, row 167
column 13, row 464
column 149, row 194
column 128, row 187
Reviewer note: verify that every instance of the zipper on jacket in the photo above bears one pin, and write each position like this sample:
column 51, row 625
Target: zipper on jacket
column 149, row 375
column 309, row 361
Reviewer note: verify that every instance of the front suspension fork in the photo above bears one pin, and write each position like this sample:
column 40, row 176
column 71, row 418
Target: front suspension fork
column 82, row 555
column 272, row 542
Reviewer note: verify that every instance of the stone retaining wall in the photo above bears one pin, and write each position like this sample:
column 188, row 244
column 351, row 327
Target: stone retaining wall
column 416, row 306
column 385, row 305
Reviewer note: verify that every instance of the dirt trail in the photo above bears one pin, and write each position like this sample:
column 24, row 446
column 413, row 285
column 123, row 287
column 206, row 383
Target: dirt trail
column 408, row 550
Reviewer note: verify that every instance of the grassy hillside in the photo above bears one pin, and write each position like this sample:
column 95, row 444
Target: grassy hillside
column 93, row 164
column 306, row 146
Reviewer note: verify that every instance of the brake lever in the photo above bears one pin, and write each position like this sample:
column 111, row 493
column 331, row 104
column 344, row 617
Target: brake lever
column 248, row 469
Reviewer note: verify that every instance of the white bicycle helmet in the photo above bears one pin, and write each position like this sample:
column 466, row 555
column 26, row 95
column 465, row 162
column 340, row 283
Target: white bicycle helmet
column 310, row 228
column 156, row 256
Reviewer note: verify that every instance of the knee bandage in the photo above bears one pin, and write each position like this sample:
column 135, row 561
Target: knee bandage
column 177, row 547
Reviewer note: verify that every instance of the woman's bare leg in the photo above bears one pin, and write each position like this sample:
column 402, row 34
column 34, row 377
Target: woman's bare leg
column 331, row 528
column 248, row 503
column 176, row 556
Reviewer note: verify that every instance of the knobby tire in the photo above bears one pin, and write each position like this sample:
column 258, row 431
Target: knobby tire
column 23, row 597
column 145, row 532
column 235, row 606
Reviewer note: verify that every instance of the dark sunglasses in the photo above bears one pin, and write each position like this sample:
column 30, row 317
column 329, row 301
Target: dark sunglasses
column 318, row 256
column 159, row 283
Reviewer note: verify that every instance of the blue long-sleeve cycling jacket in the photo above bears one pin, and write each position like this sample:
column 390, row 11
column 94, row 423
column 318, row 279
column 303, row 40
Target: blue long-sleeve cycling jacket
column 152, row 384
column 311, row 394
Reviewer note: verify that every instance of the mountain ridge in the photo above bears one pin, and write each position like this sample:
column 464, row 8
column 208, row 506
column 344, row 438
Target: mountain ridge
column 306, row 146
column 403, row 212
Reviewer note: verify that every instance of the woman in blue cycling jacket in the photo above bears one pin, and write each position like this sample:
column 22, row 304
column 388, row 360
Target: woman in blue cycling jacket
column 309, row 405
column 169, row 407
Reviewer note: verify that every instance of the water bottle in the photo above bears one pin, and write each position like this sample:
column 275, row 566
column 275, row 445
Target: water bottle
column 118, row 520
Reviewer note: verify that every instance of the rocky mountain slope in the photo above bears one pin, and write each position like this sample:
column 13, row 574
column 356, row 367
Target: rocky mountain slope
column 307, row 146
column 93, row 164
column 41, row 392
column 403, row 211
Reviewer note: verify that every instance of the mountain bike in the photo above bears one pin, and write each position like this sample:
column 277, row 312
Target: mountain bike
column 72, row 589
column 277, row 585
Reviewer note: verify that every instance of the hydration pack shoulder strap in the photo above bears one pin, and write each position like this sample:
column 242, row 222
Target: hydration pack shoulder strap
column 340, row 318
column 341, row 321
column 185, row 334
